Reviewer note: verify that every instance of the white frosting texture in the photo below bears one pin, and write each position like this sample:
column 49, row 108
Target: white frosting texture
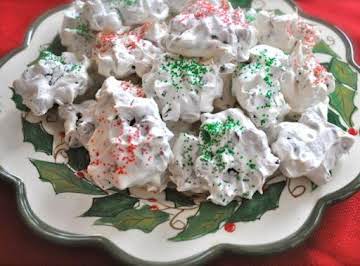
column 183, row 87
column 231, row 158
column 257, row 86
column 79, row 122
column 52, row 80
column 130, row 145
column 307, row 83
column 207, row 30
column 121, row 55
column 310, row 147
column 284, row 31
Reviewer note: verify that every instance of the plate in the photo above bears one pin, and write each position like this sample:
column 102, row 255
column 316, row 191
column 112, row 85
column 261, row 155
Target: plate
column 169, row 228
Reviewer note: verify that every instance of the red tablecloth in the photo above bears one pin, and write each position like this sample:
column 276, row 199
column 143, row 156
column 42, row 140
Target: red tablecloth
column 336, row 242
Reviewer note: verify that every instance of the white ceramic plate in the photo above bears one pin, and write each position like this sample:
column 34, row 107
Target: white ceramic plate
column 143, row 228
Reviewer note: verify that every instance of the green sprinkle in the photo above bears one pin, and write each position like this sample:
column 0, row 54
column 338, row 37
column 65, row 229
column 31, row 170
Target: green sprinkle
column 211, row 135
column 185, row 69
column 83, row 30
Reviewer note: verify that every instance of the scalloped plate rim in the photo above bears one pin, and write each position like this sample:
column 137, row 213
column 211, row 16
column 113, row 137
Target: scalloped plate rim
column 48, row 232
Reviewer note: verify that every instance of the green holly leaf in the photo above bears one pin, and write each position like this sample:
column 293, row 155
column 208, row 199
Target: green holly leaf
column 18, row 100
column 313, row 186
column 178, row 198
column 334, row 119
column 323, row 48
column 342, row 100
column 344, row 73
column 56, row 47
column 143, row 219
column 207, row 220
column 251, row 210
column 37, row 136
column 79, row 158
column 241, row 3
column 278, row 12
column 110, row 206
column 63, row 179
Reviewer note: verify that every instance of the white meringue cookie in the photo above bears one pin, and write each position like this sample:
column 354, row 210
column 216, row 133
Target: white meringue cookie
column 307, row 83
column 79, row 122
column 183, row 87
column 235, row 157
column 257, row 86
column 121, row 55
column 284, row 31
column 310, row 147
column 52, row 80
column 75, row 33
column 208, row 30
column 130, row 146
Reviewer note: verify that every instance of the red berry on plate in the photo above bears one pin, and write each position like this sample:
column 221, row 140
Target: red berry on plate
column 353, row 131
column 80, row 174
column 154, row 208
column 230, row 227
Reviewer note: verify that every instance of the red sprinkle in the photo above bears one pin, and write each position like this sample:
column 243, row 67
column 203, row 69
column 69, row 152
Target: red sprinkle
column 230, row 227
column 154, row 208
column 353, row 131
column 62, row 134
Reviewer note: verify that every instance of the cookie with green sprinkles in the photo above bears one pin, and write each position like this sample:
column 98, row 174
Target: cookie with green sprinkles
column 234, row 156
column 183, row 87
column 257, row 86
column 231, row 158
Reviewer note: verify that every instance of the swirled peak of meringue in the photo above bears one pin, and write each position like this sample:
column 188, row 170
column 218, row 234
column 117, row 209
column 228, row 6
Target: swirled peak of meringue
column 123, row 54
column 183, row 87
column 283, row 31
column 52, row 80
column 205, row 29
column 257, row 86
column 307, row 83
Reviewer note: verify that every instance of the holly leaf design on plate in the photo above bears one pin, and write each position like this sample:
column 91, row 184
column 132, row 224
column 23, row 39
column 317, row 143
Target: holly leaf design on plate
column 54, row 47
column 241, row 3
column 323, row 48
column 343, row 73
column 251, row 210
column 79, row 158
column 37, row 136
column 342, row 100
column 63, row 179
column 18, row 100
column 110, row 206
column 143, row 219
column 178, row 198
column 207, row 220
column 334, row 119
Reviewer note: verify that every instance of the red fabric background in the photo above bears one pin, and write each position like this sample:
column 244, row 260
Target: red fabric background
column 336, row 242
